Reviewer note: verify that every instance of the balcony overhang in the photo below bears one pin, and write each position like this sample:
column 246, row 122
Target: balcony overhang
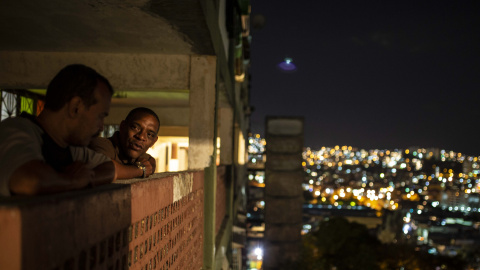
column 113, row 26
column 144, row 45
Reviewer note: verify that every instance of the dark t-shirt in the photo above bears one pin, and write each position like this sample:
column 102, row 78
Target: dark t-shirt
column 56, row 156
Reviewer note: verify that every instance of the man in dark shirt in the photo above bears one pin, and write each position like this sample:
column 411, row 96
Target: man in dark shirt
column 48, row 154
column 128, row 146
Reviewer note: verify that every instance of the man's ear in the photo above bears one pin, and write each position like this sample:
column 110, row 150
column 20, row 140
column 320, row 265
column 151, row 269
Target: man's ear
column 74, row 106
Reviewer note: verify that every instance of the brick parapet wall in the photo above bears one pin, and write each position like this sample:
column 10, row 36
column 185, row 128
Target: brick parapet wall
column 154, row 223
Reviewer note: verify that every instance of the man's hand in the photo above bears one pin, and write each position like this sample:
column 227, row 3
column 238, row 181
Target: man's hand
column 79, row 175
column 153, row 162
column 149, row 167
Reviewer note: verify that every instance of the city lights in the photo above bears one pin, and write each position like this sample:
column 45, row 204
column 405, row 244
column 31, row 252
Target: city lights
column 417, row 183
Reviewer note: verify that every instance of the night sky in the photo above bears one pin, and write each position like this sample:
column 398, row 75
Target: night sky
column 370, row 74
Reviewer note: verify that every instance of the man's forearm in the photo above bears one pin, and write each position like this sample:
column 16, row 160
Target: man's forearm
column 35, row 177
column 127, row 171
column 105, row 173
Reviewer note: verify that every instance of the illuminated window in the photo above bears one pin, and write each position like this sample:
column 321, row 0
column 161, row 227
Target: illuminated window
column 9, row 105
column 26, row 105
column 16, row 101
column 40, row 105
column 108, row 130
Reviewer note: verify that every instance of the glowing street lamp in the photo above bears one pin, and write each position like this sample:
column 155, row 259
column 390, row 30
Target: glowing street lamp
column 258, row 252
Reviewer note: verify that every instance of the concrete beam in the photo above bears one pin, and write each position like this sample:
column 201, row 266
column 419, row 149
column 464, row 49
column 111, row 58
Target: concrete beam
column 124, row 71
column 168, row 116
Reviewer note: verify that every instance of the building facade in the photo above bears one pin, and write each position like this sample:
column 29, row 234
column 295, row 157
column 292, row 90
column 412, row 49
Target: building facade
column 186, row 60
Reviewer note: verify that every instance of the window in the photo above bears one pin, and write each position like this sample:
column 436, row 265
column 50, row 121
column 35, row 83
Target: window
column 8, row 105
column 16, row 101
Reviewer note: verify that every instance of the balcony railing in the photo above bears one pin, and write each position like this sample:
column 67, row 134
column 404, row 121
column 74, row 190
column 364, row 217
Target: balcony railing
column 154, row 223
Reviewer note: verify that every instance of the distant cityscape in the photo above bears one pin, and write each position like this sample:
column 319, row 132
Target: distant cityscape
column 434, row 193
column 384, row 179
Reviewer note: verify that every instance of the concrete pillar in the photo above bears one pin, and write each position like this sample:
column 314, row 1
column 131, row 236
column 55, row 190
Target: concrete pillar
column 202, row 143
column 210, row 193
column 240, row 147
column 169, row 116
column 202, row 111
column 225, row 133
column 283, row 192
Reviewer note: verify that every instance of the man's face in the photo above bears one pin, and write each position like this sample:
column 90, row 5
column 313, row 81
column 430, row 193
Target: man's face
column 138, row 134
column 90, row 121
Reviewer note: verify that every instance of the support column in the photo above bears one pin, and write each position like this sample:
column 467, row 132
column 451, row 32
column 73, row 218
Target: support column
column 202, row 132
column 225, row 131
column 226, row 135
column 283, row 192
column 202, row 111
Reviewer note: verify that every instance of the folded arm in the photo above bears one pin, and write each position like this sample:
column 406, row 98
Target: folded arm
column 36, row 177
column 133, row 171
column 105, row 173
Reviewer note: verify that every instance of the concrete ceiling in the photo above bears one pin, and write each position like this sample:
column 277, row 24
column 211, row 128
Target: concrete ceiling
column 116, row 26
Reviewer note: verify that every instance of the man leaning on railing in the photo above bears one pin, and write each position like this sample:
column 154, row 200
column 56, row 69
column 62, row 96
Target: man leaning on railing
column 128, row 146
column 48, row 153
